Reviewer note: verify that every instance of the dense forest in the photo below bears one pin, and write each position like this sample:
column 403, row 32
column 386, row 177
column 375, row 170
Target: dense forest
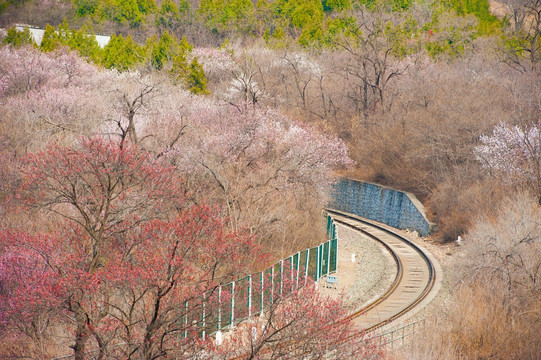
column 240, row 114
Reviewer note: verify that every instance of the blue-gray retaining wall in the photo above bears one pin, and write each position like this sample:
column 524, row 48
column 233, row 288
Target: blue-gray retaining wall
column 395, row 208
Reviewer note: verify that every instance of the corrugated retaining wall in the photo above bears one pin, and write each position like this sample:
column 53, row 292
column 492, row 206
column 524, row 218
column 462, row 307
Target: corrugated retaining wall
column 395, row 208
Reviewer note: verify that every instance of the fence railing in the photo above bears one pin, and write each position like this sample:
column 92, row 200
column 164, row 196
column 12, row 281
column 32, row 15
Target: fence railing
column 398, row 336
column 253, row 294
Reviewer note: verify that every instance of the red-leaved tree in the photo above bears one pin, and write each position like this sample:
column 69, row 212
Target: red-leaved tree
column 130, row 271
column 104, row 189
column 127, row 254
column 133, row 305
column 301, row 324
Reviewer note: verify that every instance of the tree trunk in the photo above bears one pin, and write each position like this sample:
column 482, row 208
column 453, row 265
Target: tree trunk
column 80, row 340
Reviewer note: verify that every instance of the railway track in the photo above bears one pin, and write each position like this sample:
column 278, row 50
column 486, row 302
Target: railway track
column 414, row 281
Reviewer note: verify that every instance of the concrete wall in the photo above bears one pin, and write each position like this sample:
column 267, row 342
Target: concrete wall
column 375, row 202
column 37, row 35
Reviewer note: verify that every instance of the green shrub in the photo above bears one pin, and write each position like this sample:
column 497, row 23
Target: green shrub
column 122, row 53
column 17, row 38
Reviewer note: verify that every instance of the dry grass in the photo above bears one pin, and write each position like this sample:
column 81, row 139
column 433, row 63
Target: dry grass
column 495, row 312
column 480, row 324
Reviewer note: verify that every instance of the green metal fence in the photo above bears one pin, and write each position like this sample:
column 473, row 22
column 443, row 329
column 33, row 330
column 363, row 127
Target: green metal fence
column 252, row 295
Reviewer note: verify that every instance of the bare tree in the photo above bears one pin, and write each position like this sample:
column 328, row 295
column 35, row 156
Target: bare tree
column 370, row 67
column 509, row 248
column 523, row 51
column 519, row 12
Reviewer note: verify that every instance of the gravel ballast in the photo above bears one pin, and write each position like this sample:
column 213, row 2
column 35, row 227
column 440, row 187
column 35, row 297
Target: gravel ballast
column 369, row 276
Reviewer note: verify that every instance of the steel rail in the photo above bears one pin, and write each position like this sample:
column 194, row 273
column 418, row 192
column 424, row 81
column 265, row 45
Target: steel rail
column 403, row 265
column 415, row 272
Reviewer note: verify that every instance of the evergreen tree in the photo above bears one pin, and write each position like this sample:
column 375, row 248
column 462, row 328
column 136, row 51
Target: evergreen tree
column 84, row 41
column 161, row 51
column 86, row 7
column 196, row 80
column 50, row 39
column 227, row 15
column 122, row 54
column 17, row 38
column 168, row 15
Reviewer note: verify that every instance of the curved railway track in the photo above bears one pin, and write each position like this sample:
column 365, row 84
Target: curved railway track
column 414, row 281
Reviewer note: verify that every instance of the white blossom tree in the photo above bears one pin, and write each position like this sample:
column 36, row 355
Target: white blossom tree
column 514, row 153
column 268, row 172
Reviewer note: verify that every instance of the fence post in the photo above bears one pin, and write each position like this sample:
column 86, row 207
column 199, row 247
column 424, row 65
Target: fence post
column 203, row 317
column 335, row 255
column 306, row 266
column 262, row 290
column 318, row 262
column 233, row 304
column 186, row 319
column 249, row 296
column 298, row 267
column 322, row 248
column 281, row 277
column 272, row 285
column 220, row 307
column 329, row 257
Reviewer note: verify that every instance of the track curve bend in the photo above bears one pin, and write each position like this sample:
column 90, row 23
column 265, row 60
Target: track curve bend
column 415, row 279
